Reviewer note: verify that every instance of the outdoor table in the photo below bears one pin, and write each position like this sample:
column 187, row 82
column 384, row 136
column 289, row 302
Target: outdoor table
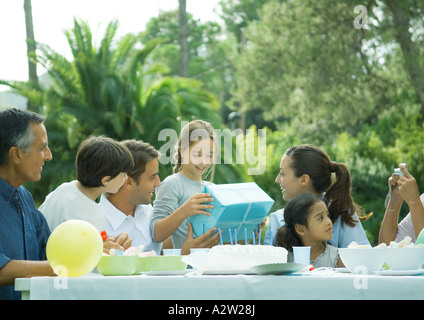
column 309, row 285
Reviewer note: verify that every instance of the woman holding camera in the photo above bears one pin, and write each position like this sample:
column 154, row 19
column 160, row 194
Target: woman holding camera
column 402, row 187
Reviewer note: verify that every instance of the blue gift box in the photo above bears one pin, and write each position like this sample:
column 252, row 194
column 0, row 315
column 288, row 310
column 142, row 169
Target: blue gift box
column 239, row 207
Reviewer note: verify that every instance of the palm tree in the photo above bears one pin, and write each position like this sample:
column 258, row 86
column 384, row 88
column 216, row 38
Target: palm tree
column 106, row 87
column 32, row 66
column 183, row 34
column 110, row 90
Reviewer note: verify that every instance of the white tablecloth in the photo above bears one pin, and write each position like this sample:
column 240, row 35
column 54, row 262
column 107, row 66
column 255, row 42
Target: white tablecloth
column 327, row 285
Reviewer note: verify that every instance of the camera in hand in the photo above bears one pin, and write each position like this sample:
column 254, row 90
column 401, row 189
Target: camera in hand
column 398, row 171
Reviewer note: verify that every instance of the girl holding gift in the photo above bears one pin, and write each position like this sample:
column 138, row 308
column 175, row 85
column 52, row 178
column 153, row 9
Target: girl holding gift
column 181, row 194
column 308, row 169
column 307, row 223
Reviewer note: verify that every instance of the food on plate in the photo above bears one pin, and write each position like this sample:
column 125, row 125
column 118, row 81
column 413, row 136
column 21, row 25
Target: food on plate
column 131, row 251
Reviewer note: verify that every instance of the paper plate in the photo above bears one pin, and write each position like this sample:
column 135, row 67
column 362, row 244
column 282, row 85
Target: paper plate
column 228, row 271
column 400, row 272
column 278, row 268
column 342, row 270
column 168, row 272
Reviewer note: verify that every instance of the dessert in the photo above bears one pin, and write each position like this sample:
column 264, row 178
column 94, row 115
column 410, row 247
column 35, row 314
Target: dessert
column 405, row 243
column 355, row 245
column 131, row 251
column 236, row 257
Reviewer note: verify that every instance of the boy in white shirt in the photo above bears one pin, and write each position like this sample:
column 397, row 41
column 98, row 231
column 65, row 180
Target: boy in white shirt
column 101, row 166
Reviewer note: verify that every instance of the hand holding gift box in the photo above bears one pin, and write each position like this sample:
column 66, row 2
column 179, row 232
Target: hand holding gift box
column 239, row 207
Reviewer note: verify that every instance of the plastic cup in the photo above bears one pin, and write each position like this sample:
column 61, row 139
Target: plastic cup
column 171, row 252
column 203, row 250
column 302, row 255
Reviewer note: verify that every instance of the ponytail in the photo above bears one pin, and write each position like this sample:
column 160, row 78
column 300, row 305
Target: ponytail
column 178, row 166
column 338, row 197
column 287, row 238
column 310, row 160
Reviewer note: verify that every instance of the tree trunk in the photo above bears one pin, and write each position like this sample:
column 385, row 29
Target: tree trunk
column 32, row 66
column 410, row 50
column 183, row 34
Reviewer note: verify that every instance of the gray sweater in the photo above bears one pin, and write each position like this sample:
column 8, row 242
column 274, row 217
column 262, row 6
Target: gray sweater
column 173, row 192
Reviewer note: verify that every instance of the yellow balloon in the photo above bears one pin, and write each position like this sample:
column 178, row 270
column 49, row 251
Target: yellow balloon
column 74, row 248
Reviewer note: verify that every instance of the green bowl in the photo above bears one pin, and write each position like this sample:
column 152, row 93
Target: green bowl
column 166, row 263
column 143, row 265
column 117, row 265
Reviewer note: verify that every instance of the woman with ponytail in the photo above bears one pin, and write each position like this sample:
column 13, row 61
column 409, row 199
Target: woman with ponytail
column 307, row 223
column 308, row 169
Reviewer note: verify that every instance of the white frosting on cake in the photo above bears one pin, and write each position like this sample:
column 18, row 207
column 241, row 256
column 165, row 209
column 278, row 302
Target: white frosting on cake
column 249, row 250
column 237, row 257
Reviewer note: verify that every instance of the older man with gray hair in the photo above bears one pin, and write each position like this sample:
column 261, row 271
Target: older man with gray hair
column 23, row 230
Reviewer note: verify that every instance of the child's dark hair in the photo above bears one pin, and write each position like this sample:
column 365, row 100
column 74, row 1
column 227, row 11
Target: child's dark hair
column 295, row 212
column 98, row 157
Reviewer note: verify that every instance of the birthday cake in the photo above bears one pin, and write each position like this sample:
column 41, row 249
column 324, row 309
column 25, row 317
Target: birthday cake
column 236, row 257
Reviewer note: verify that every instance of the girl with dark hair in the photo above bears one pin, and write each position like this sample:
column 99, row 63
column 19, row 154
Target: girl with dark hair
column 308, row 169
column 307, row 223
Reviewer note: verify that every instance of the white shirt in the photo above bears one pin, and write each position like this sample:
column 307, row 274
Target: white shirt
column 67, row 202
column 137, row 227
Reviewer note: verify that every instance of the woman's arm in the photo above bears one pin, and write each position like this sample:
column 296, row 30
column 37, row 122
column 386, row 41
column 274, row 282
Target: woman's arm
column 389, row 225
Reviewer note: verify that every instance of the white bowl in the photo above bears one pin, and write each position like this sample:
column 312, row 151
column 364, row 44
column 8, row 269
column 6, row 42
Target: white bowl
column 363, row 260
column 405, row 258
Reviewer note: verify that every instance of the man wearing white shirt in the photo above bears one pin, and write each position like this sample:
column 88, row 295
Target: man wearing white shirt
column 130, row 210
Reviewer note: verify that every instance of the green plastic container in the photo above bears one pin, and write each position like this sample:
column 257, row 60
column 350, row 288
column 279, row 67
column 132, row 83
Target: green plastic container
column 117, row 265
column 143, row 265
column 166, row 263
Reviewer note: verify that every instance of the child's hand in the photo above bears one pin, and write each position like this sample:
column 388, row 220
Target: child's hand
column 204, row 241
column 120, row 242
column 194, row 205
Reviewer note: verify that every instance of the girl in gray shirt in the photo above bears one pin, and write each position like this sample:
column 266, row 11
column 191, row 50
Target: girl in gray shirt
column 181, row 195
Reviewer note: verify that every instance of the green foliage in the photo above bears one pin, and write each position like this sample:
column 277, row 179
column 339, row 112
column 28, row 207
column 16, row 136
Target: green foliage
column 111, row 91
column 299, row 69
column 209, row 55
column 277, row 142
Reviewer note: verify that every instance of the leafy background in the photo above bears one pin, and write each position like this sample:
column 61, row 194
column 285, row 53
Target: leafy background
column 299, row 69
